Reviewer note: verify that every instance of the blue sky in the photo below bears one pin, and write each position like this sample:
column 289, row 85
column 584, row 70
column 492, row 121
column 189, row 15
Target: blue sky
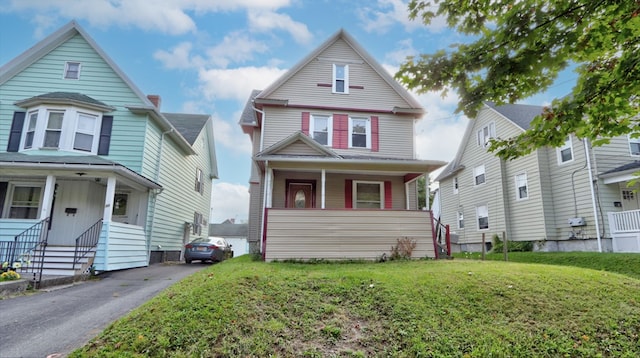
column 205, row 56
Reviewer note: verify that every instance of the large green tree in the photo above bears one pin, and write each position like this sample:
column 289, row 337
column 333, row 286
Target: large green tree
column 518, row 47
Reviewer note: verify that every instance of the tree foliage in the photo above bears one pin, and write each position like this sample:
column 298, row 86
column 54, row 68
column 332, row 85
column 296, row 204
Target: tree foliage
column 519, row 48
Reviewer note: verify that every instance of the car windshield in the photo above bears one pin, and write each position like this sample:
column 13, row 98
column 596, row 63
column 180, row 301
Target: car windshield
column 200, row 240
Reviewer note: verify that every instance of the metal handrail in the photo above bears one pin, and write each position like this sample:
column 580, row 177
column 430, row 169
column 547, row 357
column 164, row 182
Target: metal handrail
column 86, row 242
column 23, row 249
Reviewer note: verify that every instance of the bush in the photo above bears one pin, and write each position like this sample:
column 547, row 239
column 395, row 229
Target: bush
column 403, row 249
column 9, row 276
column 512, row 246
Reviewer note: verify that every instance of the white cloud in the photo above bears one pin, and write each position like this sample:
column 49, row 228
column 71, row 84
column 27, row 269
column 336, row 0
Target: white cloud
column 400, row 55
column 262, row 21
column 236, row 83
column 235, row 47
column 229, row 201
column 231, row 136
column 383, row 14
column 179, row 57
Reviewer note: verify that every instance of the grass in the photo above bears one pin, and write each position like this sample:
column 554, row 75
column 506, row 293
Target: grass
column 455, row 308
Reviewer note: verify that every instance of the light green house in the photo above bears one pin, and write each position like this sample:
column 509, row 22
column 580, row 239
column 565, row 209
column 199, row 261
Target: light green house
column 90, row 167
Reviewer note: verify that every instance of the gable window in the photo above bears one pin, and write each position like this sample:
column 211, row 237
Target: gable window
column 320, row 128
column 485, row 134
column 359, row 133
column 455, row 185
column 340, row 79
column 72, row 70
column 478, row 175
column 634, row 145
column 521, row 186
column 482, row 213
column 25, row 202
column 565, row 152
column 368, row 194
column 460, row 219
column 199, row 181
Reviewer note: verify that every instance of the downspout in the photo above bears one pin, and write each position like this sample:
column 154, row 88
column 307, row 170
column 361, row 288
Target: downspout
column 593, row 197
column 264, row 203
column 155, row 194
column 264, row 116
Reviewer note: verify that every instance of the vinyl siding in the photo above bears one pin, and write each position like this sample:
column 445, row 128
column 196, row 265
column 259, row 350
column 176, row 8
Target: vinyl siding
column 395, row 132
column 345, row 234
column 303, row 89
column 127, row 139
column 255, row 213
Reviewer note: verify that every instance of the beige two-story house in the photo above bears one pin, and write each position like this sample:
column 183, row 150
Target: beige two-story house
column 563, row 199
column 334, row 171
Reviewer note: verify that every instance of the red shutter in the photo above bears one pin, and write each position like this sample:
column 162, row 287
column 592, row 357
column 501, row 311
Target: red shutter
column 305, row 123
column 340, row 131
column 388, row 203
column 375, row 144
column 348, row 193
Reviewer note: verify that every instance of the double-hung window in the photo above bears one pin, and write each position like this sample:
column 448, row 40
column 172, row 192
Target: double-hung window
column 198, row 221
column 634, row 146
column 460, row 218
column 72, row 71
column 199, row 181
column 368, row 194
column 85, row 132
column 359, row 133
column 31, row 129
column 25, row 202
column 478, row 175
column 522, row 188
column 455, row 185
column 485, row 134
column 340, row 79
column 54, row 129
column 321, row 129
column 482, row 213
column 565, row 152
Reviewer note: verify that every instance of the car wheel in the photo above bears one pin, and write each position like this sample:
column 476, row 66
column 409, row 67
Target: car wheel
column 187, row 261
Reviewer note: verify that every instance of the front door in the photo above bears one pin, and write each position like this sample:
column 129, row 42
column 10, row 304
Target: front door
column 300, row 194
column 630, row 199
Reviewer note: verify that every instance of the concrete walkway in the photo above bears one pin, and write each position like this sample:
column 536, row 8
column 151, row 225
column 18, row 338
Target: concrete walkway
column 57, row 320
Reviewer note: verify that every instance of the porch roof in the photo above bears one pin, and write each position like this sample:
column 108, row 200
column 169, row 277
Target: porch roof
column 349, row 163
column 622, row 173
column 78, row 165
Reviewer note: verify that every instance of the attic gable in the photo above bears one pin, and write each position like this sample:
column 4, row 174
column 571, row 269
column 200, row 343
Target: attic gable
column 367, row 83
column 298, row 144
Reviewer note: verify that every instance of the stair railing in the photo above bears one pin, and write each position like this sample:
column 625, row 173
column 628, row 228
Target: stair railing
column 26, row 252
column 86, row 242
column 443, row 238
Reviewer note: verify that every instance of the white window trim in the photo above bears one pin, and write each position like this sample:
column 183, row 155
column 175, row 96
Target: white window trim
column 199, row 187
column 477, row 172
column 329, row 127
column 483, row 141
column 346, row 79
column 354, row 192
column 635, row 141
column 460, row 218
column 456, row 185
column 367, row 129
column 6, row 210
column 478, row 217
column 94, row 142
column 526, row 185
column 66, row 70
column 568, row 144
column 68, row 131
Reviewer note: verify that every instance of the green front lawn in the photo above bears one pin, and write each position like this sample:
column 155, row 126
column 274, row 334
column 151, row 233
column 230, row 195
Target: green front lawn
column 448, row 308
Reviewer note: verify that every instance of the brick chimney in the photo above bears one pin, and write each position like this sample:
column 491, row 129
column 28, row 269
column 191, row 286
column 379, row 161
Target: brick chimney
column 155, row 99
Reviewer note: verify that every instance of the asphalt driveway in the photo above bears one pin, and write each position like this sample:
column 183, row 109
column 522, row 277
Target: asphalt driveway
column 60, row 320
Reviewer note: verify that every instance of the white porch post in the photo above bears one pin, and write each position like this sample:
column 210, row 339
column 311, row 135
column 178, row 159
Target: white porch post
column 270, row 188
column 427, row 190
column 322, row 189
column 108, row 200
column 47, row 196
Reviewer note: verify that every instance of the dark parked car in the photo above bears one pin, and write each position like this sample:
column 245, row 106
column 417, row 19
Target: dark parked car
column 212, row 248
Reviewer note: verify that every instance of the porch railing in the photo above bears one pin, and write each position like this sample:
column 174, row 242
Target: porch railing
column 26, row 252
column 442, row 239
column 87, row 242
column 625, row 221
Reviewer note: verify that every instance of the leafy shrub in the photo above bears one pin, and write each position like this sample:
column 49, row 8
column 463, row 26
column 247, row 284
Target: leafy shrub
column 9, row 276
column 512, row 246
column 403, row 248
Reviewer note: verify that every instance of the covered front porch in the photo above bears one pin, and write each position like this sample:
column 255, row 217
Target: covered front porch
column 72, row 212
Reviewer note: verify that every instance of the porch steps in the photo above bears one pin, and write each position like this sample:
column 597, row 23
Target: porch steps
column 58, row 261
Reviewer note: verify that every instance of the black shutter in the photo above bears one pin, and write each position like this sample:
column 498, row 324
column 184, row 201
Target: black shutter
column 105, row 135
column 3, row 195
column 16, row 131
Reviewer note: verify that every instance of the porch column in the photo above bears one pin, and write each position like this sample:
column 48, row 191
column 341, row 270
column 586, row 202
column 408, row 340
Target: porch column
column 269, row 188
column 47, row 196
column 108, row 200
column 427, row 191
column 323, row 181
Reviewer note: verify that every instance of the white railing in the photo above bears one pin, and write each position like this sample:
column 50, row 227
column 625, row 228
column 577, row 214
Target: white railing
column 624, row 221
